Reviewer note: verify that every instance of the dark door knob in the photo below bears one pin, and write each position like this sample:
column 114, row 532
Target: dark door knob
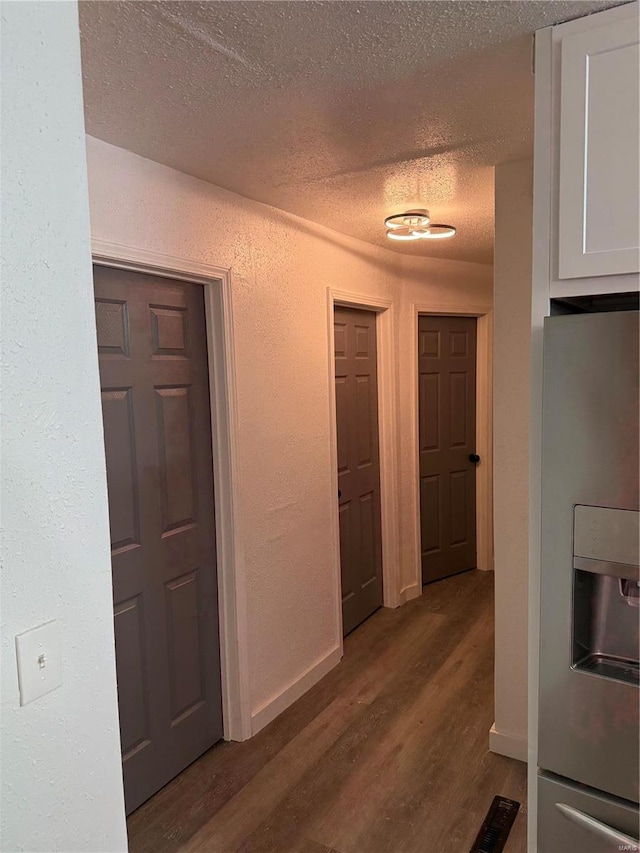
column 473, row 457
column 339, row 494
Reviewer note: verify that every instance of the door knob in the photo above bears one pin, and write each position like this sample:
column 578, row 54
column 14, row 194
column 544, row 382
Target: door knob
column 473, row 457
column 339, row 494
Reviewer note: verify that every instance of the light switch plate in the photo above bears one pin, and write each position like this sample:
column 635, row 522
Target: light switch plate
column 38, row 653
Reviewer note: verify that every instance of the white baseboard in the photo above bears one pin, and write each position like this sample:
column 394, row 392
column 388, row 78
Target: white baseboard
column 411, row 592
column 275, row 706
column 513, row 746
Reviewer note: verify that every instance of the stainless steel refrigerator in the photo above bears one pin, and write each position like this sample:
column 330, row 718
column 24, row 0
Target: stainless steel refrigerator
column 589, row 696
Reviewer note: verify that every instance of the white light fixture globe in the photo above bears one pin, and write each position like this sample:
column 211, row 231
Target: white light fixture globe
column 437, row 231
column 416, row 225
column 411, row 219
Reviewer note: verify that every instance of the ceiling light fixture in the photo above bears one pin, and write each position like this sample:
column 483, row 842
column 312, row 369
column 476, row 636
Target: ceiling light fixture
column 416, row 225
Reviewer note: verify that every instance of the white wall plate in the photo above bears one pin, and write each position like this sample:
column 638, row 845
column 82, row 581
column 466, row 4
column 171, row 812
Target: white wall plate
column 38, row 654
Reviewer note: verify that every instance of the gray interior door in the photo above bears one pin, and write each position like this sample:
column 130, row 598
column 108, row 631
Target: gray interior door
column 358, row 464
column 447, row 430
column 157, row 432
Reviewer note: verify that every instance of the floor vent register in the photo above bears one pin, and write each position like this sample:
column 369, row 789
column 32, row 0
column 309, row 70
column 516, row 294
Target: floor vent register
column 496, row 826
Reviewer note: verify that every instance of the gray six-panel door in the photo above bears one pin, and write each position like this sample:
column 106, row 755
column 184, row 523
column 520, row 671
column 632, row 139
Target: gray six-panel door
column 358, row 464
column 157, row 431
column 447, row 438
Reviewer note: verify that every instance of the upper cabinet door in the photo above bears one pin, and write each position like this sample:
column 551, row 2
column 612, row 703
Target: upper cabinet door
column 599, row 165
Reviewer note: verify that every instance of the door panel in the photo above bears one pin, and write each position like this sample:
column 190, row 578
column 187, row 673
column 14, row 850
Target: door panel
column 117, row 415
column 132, row 674
column 174, row 419
column 459, row 502
column 430, row 500
column 157, row 429
column 447, row 416
column 358, row 464
column 430, row 411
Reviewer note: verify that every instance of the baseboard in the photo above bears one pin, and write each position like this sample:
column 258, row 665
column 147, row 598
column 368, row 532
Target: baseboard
column 275, row 706
column 513, row 746
column 410, row 592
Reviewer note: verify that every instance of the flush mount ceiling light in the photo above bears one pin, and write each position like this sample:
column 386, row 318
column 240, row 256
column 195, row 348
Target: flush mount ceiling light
column 416, row 225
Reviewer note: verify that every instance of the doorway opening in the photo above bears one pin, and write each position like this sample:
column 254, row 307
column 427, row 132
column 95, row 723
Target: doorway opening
column 356, row 388
column 157, row 431
column 380, row 313
column 453, row 441
column 447, row 444
column 215, row 335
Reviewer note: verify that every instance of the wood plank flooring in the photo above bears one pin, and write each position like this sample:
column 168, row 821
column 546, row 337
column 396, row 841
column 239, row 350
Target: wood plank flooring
column 387, row 754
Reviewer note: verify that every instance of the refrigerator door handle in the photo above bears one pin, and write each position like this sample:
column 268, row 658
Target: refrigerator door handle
column 600, row 830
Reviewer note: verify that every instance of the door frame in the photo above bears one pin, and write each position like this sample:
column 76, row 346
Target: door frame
column 387, row 442
column 234, row 658
column 484, row 425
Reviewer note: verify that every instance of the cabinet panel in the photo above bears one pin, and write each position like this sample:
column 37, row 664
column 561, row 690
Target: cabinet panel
column 599, row 224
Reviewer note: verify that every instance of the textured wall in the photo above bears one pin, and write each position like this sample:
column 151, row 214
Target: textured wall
column 281, row 267
column 512, row 388
column 61, row 776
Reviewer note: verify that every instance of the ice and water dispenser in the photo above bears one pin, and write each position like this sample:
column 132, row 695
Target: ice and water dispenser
column 606, row 602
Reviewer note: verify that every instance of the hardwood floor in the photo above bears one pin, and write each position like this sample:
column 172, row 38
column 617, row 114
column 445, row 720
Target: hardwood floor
column 387, row 754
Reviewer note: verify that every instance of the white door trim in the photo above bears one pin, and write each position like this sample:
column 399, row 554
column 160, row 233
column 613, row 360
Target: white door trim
column 389, row 497
column 484, row 425
column 236, row 709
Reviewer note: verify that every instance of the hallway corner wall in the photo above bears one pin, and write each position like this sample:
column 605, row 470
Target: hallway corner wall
column 281, row 267
column 512, row 342
column 61, row 765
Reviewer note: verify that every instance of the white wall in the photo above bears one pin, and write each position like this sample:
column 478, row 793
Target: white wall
column 61, row 776
column 512, row 391
column 281, row 267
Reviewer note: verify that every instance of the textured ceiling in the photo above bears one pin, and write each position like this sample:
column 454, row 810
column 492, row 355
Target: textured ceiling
column 341, row 112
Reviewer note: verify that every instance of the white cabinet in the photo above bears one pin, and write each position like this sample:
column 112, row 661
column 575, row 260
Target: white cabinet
column 587, row 155
column 599, row 165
